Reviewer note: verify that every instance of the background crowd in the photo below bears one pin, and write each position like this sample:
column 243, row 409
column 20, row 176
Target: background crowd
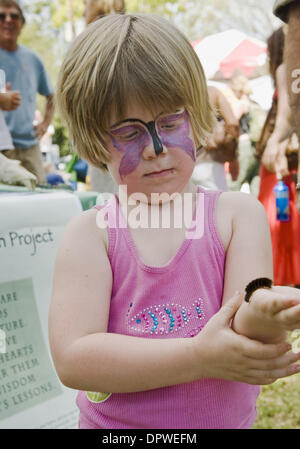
column 250, row 149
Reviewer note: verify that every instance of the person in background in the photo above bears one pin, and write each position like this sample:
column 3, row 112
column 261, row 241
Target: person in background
column 274, row 166
column 100, row 179
column 289, row 12
column 26, row 73
column 209, row 171
column 251, row 118
column 9, row 101
column 95, row 9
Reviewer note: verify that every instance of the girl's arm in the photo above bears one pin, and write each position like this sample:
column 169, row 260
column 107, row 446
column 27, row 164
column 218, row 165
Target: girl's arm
column 87, row 357
column 270, row 313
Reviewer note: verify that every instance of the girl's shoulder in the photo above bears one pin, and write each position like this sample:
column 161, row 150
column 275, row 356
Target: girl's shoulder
column 83, row 227
column 236, row 210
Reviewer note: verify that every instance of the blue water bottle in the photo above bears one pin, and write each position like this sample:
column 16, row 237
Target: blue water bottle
column 281, row 192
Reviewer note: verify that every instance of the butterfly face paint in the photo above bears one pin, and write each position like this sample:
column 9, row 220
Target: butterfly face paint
column 131, row 136
column 174, row 131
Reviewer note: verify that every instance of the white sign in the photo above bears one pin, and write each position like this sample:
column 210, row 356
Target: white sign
column 31, row 395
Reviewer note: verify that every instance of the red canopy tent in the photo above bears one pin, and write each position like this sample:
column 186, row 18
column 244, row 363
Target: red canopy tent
column 227, row 53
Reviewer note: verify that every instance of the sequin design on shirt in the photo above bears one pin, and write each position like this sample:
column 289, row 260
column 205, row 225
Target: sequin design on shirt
column 164, row 319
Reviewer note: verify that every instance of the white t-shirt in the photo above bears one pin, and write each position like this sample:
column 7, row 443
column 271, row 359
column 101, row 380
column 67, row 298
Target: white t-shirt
column 5, row 137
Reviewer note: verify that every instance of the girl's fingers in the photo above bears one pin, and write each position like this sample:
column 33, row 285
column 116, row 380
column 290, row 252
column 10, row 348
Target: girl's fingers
column 268, row 376
column 262, row 351
column 273, row 364
column 290, row 317
column 272, row 303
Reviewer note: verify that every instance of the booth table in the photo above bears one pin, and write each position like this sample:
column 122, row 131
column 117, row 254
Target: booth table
column 31, row 225
column 88, row 199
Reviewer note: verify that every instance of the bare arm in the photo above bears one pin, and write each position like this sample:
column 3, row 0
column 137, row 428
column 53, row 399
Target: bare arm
column 224, row 109
column 275, row 150
column 232, row 122
column 222, row 106
column 87, row 357
column 292, row 57
column 249, row 256
column 283, row 115
column 42, row 127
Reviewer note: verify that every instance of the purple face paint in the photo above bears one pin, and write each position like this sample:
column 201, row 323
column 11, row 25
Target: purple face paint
column 134, row 135
column 174, row 131
column 131, row 140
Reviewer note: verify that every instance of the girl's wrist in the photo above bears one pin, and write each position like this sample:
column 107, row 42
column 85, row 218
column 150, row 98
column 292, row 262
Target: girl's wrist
column 195, row 353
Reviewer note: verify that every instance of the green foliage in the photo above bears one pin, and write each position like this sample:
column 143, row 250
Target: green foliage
column 58, row 11
column 151, row 6
column 65, row 10
column 61, row 137
column 278, row 405
column 294, row 339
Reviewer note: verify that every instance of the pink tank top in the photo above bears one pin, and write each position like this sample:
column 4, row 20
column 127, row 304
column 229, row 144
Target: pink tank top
column 174, row 300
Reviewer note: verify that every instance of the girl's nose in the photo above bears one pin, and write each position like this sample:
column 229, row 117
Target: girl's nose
column 154, row 142
column 152, row 150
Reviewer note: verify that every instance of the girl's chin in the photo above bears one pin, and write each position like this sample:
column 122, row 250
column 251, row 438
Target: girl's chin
column 168, row 184
column 167, row 190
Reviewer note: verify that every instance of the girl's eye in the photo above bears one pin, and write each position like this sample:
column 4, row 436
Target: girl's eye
column 171, row 122
column 130, row 136
column 169, row 126
column 126, row 135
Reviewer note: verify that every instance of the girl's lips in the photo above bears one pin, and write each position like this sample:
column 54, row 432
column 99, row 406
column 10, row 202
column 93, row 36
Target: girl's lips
column 155, row 174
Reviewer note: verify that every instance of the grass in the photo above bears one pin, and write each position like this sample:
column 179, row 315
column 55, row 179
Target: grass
column 278, row 405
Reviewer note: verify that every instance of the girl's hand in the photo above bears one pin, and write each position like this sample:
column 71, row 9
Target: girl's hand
column 228, row 355
column 278, row 307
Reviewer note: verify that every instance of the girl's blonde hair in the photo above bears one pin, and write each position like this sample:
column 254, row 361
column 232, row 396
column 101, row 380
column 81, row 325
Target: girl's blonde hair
column 119, row 57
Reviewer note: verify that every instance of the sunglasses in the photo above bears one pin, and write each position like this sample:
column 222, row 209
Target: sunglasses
column 13, row 16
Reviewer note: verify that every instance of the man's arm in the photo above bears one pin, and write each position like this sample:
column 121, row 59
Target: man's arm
column 274, row 155
column 222, row 105
column 292, row 58
column 42, row 127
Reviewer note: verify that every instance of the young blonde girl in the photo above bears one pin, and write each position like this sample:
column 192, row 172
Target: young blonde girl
column 150, row 323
